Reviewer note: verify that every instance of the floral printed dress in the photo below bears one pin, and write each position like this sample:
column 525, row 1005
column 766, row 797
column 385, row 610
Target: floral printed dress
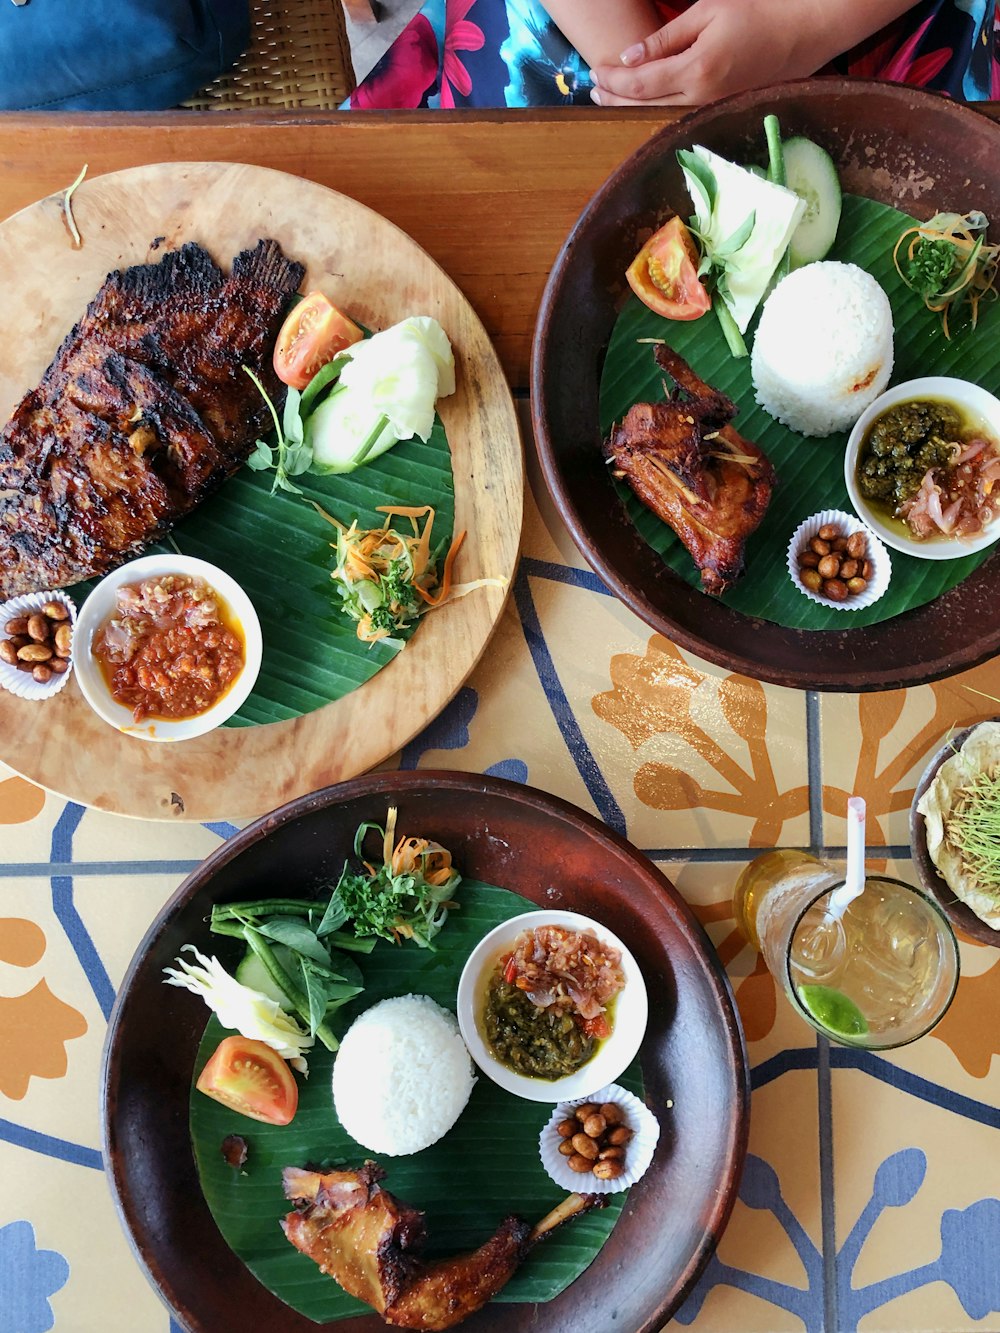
column 497, row 53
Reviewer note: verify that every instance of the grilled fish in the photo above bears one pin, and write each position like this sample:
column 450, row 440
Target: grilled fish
column 145, row 410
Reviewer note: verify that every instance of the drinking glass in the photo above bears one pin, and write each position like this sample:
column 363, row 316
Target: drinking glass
column 878, row 974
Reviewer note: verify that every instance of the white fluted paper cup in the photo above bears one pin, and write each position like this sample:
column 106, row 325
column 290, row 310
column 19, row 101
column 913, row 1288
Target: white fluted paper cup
column 22, row 683
column 638, row 1151
column 877, row 554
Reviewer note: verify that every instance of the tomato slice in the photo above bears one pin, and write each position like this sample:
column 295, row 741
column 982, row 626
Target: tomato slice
column 312, row 335
column 248, row 1077
column 664, row 274
column 598, row 1028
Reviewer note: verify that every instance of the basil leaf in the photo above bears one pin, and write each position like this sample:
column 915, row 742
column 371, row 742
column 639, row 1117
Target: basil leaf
column 291, row 421
column 316, row 995
column 295, row 934
column 262, row 457
column 326, row 375
column 700, row 175
column 335, row 915
column 737, row 239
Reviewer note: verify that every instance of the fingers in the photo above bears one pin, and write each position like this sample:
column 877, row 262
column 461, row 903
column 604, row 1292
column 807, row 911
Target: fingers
column 671, row 39
column 642, row 85
column 605, row 98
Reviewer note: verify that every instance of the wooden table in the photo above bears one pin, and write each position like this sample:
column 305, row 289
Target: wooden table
column 872, row 1192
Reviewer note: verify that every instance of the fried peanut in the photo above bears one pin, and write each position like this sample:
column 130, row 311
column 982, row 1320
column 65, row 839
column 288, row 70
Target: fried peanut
column 848, row 569
column 579, row 1163
column 18, row 625
column 63, row 639
column 812, row 579
column 856, row 585
column 585, row 1146
column 34, row 652
column 8, row 653
column 594, row 1125
column 58, row 665
column 567, row 1128
column 38, row 628
column 857, row 545
column 829, row 567
column 613, row 1114
column 819, row 546
column 809, row 560
column 42, row 673
column 609, row 1170
column 56, row 611
column 835, row 589
column 828, row 532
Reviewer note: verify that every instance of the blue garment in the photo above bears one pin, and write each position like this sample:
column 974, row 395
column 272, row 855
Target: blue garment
column 115, row 55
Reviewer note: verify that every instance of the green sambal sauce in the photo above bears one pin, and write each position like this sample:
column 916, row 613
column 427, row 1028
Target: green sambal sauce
column 539, row 1043
column 901, row 446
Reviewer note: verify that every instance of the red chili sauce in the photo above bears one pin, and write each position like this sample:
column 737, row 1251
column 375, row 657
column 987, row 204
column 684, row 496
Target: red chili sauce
column 171, row 649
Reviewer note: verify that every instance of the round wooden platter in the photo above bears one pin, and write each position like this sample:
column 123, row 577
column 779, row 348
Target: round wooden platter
column 369, row 267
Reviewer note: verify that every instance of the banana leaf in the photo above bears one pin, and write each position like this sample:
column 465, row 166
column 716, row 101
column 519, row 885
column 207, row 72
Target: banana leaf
column 484, row 1168
column 278, row 548
column 810, row 471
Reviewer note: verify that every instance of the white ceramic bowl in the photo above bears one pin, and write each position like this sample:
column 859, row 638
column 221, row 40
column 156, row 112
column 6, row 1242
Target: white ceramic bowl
column 101, row 604
column 978, row 402
column 613, row 1055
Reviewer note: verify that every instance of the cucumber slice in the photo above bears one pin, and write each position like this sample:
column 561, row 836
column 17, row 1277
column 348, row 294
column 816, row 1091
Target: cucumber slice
column 252, row 972
column 810, row 172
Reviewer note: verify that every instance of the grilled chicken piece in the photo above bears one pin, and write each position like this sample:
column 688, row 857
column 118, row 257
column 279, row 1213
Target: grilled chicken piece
column 688, row 465
column 369, row 1242
column 144, row 411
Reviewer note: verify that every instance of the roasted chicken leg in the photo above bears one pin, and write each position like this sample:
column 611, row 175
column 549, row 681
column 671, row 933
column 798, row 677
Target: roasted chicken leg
column 688, row 465
column 369, row 1242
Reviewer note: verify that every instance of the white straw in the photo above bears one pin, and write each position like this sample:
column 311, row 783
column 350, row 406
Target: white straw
column 854, row 880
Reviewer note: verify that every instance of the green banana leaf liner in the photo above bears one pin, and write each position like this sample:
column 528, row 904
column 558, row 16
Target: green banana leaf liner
column 278, row 548
column 485, row 1167
column 810, row 471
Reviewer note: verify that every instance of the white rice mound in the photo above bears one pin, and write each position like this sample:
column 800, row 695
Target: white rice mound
column 823, row 349
column 402, row 1076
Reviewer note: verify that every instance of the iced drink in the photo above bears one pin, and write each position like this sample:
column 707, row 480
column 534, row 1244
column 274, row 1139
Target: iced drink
column 878, row 974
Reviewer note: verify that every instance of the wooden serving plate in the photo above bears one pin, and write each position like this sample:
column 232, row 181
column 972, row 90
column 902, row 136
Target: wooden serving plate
column 896, row 144
column 693, row 1055
column 369, row 267
column 961, row 916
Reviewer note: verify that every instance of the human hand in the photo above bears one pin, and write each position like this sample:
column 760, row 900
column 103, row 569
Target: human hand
column 718, row 47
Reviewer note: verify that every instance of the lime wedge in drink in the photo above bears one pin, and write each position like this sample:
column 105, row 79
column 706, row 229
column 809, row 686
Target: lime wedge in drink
column 833, row 1010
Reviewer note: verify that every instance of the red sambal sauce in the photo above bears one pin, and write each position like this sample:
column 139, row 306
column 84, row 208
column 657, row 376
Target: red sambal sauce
column 567, row 971
column 171, row 649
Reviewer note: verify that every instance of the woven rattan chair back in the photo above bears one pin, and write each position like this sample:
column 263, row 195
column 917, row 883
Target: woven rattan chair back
column 299, row 57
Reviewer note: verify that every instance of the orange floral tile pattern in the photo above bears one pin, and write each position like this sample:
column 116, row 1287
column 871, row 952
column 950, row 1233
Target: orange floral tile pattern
column 652, row 695
column 36, row 1025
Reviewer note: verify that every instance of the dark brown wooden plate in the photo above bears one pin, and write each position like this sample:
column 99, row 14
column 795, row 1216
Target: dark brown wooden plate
column 896, row 144
column 961, row 916
column 693, row 1054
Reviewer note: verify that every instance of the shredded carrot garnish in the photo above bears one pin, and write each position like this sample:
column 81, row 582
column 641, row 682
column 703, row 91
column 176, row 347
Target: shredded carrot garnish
column 445, row 588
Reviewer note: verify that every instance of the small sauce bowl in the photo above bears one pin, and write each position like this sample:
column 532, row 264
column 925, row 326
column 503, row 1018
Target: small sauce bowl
column 969, row 398
column 613, row 1055
column 101, row 605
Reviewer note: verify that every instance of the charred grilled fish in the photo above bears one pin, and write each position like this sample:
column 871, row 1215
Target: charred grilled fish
column 144, row 411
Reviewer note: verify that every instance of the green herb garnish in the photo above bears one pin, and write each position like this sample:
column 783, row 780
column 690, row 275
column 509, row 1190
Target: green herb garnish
column 947, row 261
column 290, row 456
column 974, row 827
column 408, row 896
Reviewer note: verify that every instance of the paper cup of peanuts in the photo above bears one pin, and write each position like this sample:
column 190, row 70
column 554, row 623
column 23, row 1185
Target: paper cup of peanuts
column 835, row 561
column 36, row 634
column 599, row 1144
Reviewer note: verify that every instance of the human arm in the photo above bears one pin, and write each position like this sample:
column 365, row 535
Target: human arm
column 601, row 29
column 718, row 47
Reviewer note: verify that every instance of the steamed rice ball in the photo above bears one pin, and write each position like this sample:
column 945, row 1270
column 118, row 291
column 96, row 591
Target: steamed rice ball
column 402, row 1076
column 823, row 348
